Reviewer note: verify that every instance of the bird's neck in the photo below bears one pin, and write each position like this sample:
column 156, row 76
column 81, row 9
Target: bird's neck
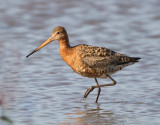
column 64, row 43
column 66, row 51
column 65, row 47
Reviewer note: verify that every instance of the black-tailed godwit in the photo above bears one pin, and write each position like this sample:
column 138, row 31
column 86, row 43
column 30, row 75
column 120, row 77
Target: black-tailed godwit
column 89, row 61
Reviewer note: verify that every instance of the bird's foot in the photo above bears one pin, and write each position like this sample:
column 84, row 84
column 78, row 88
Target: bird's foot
column 90, row 89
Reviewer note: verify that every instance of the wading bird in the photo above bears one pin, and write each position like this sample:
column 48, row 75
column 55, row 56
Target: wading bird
column 89, row 61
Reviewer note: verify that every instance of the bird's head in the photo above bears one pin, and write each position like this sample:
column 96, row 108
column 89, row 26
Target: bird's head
column 59, row 33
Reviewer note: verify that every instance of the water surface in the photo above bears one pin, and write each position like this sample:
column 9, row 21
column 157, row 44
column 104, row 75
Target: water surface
column 43, row 90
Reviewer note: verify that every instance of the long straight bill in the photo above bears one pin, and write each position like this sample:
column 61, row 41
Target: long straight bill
column 42, row 45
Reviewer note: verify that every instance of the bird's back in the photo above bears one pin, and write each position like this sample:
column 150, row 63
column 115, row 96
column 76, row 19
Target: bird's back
column 99, row 61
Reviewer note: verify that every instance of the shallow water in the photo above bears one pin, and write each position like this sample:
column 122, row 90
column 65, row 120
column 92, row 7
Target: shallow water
column 43, row 90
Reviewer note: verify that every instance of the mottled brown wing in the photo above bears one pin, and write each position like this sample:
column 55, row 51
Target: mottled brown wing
column 96, row 62
column 99, row 57
column 115, row 60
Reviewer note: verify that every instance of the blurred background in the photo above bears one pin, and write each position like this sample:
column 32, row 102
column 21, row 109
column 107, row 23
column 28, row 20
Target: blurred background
column 43, row 90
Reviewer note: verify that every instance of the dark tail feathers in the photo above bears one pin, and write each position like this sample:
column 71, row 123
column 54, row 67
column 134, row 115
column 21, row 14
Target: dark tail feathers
column 134, row 59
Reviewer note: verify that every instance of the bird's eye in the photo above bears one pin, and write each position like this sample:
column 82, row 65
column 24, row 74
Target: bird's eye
column 58, row 32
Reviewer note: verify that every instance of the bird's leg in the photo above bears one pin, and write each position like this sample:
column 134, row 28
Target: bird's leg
column 99, row 90
column 90, row 89
column 111, row 84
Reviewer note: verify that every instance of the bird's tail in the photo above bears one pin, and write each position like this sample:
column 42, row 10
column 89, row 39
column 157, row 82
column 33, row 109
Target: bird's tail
column 128, row 60
column 134, row 59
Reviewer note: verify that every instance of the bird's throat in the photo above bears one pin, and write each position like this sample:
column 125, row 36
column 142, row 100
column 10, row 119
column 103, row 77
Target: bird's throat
column 64, row 44
column 65, row 48
column 67, row 52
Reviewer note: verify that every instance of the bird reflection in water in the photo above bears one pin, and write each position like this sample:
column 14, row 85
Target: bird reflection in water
column 92, row 116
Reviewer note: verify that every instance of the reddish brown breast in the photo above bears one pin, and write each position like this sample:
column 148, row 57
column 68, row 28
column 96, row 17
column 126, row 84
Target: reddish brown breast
column 74, row 59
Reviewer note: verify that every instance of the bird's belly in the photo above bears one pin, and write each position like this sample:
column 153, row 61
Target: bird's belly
column 95, row 72
column 90, row 72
